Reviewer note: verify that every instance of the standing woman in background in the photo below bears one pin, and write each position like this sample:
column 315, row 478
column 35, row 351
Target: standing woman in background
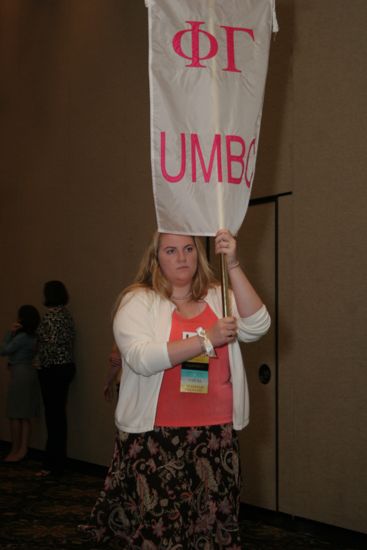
column 56, row 362
column 20, row 346
column 174, row 481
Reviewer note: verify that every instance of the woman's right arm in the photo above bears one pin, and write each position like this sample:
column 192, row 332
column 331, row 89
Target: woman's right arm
column 135, row 330
column 183, row 350
column 222, row 332
column 135, row 334
column 11, row 343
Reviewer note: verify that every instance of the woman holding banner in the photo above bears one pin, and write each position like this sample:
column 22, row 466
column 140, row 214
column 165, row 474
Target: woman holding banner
column 174, row 480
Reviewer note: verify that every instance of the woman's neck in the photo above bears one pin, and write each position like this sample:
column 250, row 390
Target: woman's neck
column 181, row 294
column 181, row 297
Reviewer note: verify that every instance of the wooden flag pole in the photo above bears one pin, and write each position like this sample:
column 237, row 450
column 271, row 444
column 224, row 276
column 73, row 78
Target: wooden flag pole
column 223, row 265
column 224, row 286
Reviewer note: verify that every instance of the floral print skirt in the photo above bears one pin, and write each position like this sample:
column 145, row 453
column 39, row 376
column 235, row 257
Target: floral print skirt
column 171, row 488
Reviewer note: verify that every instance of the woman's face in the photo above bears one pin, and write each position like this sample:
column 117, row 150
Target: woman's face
column 177, row 256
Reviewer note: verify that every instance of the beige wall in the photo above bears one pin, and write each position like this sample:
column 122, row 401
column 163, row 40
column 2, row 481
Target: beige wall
column 76, row 201
column 329, row 438
column 76, row 204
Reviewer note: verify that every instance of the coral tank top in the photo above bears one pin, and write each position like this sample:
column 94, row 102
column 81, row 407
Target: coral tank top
column 182, row 408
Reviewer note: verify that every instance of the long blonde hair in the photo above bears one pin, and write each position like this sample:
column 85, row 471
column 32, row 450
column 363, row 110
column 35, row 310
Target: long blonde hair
column 150, row 276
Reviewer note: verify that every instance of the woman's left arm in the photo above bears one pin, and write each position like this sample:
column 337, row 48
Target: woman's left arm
column 247, row 300
column 12, row 342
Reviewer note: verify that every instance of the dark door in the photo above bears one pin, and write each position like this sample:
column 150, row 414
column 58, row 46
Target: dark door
column 257, row 254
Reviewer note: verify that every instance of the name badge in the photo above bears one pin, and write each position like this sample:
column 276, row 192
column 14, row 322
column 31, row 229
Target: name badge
column 195, row 372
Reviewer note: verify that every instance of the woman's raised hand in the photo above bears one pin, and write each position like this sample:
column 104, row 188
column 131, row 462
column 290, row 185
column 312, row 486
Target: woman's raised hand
column 247, row 300
column 226, row 244
column 223, row 331
column 15, row 327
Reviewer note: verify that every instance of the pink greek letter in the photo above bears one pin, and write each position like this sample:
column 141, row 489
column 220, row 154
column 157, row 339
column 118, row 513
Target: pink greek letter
column 195, row 44
column 231, row 67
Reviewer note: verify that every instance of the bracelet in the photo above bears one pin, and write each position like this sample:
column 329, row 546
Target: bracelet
column 206, row 345
column 232, row 266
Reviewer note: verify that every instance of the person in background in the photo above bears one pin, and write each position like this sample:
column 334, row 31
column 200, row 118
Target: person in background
column 23, row 398
column 174, row 480
column 56, row 335
column 114, row 374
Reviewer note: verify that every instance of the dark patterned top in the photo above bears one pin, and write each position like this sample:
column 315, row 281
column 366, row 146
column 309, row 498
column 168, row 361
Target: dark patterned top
column 56, row 337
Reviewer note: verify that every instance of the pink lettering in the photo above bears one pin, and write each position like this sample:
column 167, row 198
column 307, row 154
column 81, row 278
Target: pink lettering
column 240, row 159
column 231, row 66
column 196, row 151
column 180, row 175
column 195, row 56
column 231, row 158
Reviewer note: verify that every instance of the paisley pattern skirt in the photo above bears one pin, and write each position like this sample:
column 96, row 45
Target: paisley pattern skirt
column 171, row 488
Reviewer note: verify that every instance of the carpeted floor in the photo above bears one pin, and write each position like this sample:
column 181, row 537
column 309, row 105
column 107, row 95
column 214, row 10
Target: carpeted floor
column 43, row 514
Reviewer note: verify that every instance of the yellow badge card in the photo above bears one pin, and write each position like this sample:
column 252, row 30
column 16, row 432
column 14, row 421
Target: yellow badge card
column 195, row 373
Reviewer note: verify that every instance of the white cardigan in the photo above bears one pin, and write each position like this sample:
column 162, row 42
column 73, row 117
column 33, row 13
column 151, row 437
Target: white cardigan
column 142, row 328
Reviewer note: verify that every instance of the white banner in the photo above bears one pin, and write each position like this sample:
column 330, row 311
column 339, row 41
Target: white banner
column 208, row 61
